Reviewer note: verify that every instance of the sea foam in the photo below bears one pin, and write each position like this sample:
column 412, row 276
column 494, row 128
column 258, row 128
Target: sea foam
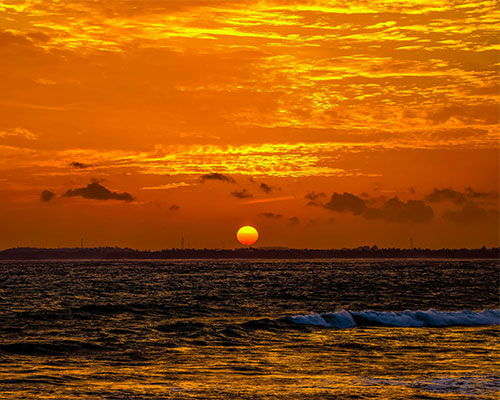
column 407, row 318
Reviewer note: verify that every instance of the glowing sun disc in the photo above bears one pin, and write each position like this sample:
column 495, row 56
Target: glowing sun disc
column 247, row 235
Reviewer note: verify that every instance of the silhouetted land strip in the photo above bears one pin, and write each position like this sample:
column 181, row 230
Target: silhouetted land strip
column 30, row 253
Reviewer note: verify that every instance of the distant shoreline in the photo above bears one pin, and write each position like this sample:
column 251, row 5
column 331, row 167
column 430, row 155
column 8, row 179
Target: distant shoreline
column 116, row 253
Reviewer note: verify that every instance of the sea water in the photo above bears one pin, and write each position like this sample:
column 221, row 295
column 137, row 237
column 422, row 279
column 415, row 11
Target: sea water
column 327, row 329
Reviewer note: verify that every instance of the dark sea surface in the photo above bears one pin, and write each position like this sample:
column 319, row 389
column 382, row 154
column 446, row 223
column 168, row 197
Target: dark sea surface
column 342, row 329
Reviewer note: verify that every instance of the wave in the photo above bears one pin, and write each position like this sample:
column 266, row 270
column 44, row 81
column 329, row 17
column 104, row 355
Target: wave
column 89, row 311
column 432, row 318
column 49, row 348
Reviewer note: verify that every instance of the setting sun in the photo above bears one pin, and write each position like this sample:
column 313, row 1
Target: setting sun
column 247, row 235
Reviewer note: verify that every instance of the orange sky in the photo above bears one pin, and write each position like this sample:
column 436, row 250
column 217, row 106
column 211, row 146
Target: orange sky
column 322, row 123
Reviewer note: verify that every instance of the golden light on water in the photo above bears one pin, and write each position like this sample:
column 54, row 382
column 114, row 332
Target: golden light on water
column 247, row 235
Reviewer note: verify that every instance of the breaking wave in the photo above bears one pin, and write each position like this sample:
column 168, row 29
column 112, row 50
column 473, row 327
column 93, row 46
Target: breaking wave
column 349, row 319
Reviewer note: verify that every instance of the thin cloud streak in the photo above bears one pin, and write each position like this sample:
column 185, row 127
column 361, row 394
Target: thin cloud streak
column 269, row 200
column 166, row 186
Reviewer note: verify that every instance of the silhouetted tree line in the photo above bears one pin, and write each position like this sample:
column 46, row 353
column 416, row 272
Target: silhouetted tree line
column 30, row 253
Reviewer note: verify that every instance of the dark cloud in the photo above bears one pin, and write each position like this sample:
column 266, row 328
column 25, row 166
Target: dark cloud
column 469, row 194
column 244, row 194
column 395, row 210
column 265, row 188
column 18, row 39
column 392, row 209
column 376, row 201
column 174, row 207
column 11, row 39
column 79, row 165
column 96, row 191
column 346, row 202
column 46, row 196
column 481, row 114
column 472, row 194
column 38, row 36
column 470, row 212
column 216, row 177
column 447, row 194
column 271, row 215
column 293, row 221
column 313, row 196
column 315, row 199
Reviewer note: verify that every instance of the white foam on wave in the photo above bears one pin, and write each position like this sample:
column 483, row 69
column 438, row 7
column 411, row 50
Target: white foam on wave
column 339, row 319
column 407, row 318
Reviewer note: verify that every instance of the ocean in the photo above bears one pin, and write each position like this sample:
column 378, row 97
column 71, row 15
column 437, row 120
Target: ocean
column 241, row 329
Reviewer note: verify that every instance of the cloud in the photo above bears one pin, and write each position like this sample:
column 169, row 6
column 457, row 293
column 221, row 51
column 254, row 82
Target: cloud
column 174, row 207
column 471, row 193
column 79, row 165
column 38, row 36
column 346, row 202
column 216, row 177
column 44, row 81
column 244, row 194
column 482, row 114
column 19, row 132
column 46, row 196
column 96, row 191
column 470, row 212
column 270, row 200
column 270, row 215
column 166, row 186
column 313, row 196
column 293, row 221
column 448, row 194
column 10, row 39
column 395, row 210
column 265, row 188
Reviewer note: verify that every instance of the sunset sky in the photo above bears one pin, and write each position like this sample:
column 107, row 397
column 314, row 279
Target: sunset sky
column 321, row 123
